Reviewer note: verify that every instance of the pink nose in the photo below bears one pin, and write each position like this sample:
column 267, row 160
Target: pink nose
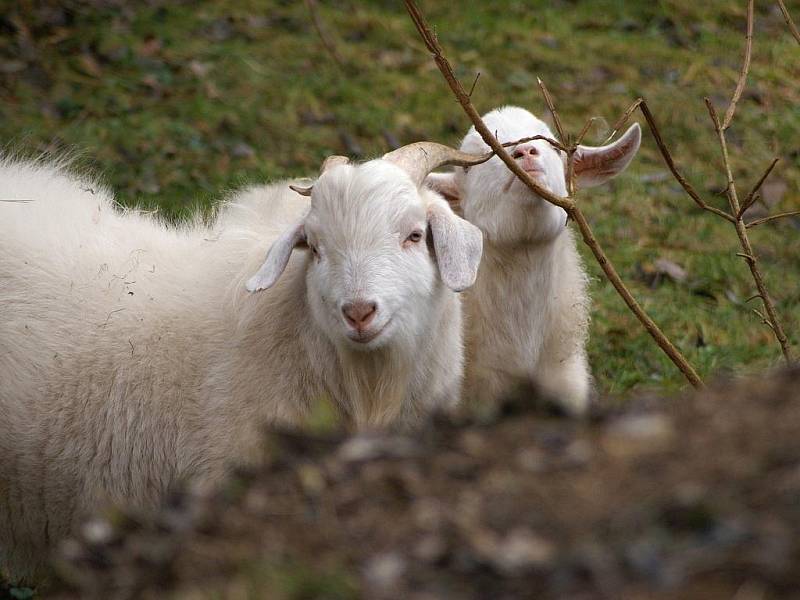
column 360, row 313
column 529, row 150
column 527, row 154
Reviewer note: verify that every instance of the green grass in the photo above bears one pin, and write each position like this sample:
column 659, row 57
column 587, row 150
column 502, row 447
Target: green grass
column 175, row 103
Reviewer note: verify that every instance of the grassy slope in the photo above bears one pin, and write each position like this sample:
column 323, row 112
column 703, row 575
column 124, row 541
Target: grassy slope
column 176, row 102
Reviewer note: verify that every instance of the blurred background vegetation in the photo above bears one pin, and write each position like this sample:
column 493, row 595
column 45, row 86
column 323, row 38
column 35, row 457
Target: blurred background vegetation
column 174, row 103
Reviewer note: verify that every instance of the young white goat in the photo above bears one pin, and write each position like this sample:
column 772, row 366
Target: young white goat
column 528, row 313
column 131, row 355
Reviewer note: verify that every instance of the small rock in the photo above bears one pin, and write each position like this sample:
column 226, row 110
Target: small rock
column 521, row 550
column 199, row 69
column 242, row 150
column 430, row 548
column 532, row 460
column 367, row 447
column 97, row 531
column 385, row 570
column 636, row 434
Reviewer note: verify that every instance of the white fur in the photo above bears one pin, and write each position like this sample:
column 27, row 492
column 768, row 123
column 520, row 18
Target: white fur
column 131, row 356
column 527, row 315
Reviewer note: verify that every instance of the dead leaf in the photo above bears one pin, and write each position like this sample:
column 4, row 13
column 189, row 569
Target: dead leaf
column 199, row 69
column 671, row 269
column 773, row 191
column 90, row 66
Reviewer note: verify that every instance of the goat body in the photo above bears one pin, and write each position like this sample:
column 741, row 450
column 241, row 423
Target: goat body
column 131, row 356
column 527, row 315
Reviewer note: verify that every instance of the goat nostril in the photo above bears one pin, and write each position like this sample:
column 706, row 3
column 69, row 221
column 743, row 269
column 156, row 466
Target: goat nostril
column 359, row 313
column 518, row 154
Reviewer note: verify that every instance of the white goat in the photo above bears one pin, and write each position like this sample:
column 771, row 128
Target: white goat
column 528, row 313
column 131, row 356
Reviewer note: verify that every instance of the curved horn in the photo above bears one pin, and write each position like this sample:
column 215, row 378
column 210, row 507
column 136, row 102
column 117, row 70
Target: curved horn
column 420, row 158
column 303, row 191
column 333, row 161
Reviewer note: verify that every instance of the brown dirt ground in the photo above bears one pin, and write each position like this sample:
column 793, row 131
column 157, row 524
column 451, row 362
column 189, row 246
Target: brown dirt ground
column 689, row 497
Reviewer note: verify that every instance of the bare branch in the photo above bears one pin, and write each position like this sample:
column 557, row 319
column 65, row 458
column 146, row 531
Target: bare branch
column 764, row 319
column 432, row 43
column 748, row 51
column 623, row 119
column 651, row 123
column 549, row 140
column 789, row 22
column 326, row 40
column 548, row 100
column 753, row 195
column 758, row 222
column 474, row 83
column 741, row 231
column 566, row 203
column 584, row 131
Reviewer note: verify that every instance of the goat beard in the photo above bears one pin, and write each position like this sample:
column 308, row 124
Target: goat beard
column 376, row 385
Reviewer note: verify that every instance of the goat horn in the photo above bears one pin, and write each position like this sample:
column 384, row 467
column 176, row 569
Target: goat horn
column 420, row 158
column 332, row 161
column 303, row 191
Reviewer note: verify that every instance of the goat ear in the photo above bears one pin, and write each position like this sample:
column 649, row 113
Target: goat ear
column 596, row 165
column 277, row 258
column 446, row 185
column 458, row 245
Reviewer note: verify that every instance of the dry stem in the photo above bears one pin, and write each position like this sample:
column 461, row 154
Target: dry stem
column 741, row 231
column 662, row 147
column 753, row 195
column 327, row 41
column 772, row 218
column 748, row 51
column 566, row 203
column 789, row 22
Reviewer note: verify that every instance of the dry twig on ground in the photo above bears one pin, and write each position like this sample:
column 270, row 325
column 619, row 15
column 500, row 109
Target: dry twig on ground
column 568, row 203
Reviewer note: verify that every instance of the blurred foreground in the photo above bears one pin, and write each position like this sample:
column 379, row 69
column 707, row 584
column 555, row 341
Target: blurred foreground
column 692, row 497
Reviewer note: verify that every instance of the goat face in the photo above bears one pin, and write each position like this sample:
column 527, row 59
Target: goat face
column 381, row 254
column 505, row 209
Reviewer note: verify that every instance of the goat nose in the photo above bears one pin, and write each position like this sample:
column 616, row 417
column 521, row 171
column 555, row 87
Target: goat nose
column 530, row 150
column 360, row 313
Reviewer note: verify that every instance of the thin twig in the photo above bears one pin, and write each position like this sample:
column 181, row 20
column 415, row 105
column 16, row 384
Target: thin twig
column 741, row 230
column 571, row 157
column 566, row 203
column 789, row 22
column 474, row 83
column 764, row 319
column 748, row 51
column 753, row 195
column 548, row 100
column 15, row 201
column 758, row 222
column 584, row 131
column 623, row 119
column 651, row 123
column 463, row 98
column 326, row 40
column 549, row 140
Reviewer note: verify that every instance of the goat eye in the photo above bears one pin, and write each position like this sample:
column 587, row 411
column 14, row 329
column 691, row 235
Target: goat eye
column 415, row 236
column 314, row 250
